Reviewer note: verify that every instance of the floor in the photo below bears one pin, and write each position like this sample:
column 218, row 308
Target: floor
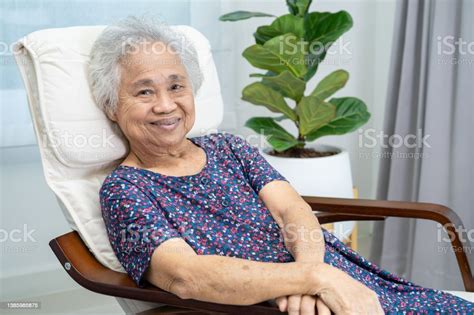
column 78, row 301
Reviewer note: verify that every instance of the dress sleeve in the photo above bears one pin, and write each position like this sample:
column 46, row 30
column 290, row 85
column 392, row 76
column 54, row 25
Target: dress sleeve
column 135, row 226
column 256, row 168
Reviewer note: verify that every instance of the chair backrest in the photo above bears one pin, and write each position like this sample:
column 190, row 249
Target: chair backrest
column 77, row 142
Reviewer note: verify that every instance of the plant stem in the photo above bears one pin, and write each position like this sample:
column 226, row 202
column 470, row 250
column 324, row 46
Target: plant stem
column 301, row 139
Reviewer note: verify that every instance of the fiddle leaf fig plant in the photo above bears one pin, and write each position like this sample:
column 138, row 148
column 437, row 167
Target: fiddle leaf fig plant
column 289, row 50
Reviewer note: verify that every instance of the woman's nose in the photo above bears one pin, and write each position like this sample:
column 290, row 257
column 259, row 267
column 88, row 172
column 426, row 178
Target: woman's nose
column 164, row 103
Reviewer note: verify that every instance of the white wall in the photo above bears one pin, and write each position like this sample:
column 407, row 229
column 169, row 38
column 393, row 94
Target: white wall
column 28, row 266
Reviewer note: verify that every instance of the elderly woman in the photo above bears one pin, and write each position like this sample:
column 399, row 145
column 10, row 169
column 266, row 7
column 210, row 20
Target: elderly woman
column 207, row 217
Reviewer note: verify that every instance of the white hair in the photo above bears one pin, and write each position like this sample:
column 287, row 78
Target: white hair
column 118, row 40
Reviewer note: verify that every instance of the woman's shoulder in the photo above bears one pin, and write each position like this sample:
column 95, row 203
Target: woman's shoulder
column 121, row 180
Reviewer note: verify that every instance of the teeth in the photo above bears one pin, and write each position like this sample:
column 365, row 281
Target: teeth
column 166, row 122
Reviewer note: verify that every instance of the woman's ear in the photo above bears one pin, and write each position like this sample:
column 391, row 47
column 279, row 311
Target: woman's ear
column 112, row 116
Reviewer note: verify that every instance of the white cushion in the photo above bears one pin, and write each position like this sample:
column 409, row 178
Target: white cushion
column 469, row 296
column 77, row 143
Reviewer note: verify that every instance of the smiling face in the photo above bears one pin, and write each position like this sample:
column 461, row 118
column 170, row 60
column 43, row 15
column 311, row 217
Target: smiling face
column 156, row 102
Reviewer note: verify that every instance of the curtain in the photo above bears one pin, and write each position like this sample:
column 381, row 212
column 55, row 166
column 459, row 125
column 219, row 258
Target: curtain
column 430, row 96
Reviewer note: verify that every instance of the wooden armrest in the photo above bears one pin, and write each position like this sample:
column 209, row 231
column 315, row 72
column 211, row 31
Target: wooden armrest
column 84, row 268
column 355, row 209
column 325, row 217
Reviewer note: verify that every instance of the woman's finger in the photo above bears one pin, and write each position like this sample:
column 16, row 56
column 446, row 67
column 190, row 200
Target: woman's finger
column 294, row 302
column 282, row 303
column 322, row 308
column 307, row 306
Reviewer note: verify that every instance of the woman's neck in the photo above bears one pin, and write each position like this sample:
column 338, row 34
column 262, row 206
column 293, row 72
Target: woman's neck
column 166, row 157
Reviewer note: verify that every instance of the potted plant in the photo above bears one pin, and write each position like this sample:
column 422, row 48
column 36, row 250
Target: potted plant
column 290, row 49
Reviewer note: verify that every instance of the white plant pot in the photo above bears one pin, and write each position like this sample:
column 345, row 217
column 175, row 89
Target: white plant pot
column 328, row 176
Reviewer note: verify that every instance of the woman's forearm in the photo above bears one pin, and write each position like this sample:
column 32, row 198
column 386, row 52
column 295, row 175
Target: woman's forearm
column 229, row 280
column 302, row 233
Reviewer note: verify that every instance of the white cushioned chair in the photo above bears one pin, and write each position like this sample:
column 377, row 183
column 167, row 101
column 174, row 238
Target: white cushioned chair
column 79, row 148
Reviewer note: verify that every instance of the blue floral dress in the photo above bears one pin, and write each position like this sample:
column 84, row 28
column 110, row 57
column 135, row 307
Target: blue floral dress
column 218, row 212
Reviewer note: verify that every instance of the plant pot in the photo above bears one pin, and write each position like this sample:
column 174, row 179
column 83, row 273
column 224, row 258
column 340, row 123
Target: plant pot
column 328, row 176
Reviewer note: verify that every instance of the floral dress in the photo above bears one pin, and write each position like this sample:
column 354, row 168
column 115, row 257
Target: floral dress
column 218, row 212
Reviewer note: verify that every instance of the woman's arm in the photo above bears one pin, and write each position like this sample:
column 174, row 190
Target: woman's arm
column 305, row 240
column 300, row 227
column 282, row 200
column 176, row 268
column 302, row 234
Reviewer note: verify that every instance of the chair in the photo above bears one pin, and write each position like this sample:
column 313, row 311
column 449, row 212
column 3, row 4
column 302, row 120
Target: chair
column 79, row 147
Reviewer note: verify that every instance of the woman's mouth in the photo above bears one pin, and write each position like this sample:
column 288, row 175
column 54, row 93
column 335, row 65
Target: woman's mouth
column 168, row 124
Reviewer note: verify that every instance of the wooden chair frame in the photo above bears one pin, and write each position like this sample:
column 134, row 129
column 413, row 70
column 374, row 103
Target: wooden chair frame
column 83, row 267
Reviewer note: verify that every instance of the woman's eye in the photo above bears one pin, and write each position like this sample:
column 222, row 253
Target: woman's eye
column 145, row 92
column 175, row 87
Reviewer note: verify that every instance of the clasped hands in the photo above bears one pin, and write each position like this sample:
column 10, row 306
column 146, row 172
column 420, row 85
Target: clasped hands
column 302, row 304
column 332, row 291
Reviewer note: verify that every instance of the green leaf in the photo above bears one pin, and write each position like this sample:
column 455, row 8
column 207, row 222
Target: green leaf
column 262, row 75
column 314, row 113
column 292, row 6
column 278, row 137
column 330, row 84
column 287, row 84
column 264, row 33
column 326, row 27
column 289, row 24
column 284, row 24
column 298, row 7
column 322, row 29
column 312, row 61
column 257, row 75
column 351, row 113
column 280, row 118
column 259, row 94
column 242, row 15
column 281, row 53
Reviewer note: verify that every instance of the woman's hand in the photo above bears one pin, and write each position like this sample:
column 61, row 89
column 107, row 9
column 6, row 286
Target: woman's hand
column 342, row 293
column 302, row 304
